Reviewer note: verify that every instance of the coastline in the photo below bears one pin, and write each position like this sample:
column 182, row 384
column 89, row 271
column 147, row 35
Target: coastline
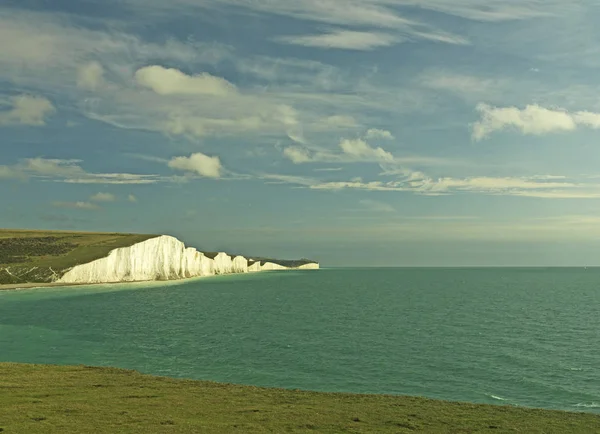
column 34, row 285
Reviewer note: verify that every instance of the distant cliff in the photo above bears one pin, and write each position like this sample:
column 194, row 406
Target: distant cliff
column 77, row 257
column 165, row 258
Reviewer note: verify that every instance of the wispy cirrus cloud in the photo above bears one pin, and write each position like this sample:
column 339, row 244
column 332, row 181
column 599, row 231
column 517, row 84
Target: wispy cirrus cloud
column 419, row 183
column 88, row 206
column 343, row 39
column 69, row 171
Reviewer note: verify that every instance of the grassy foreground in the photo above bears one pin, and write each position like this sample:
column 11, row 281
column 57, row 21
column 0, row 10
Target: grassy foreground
column 38, row 256
column 80, row 399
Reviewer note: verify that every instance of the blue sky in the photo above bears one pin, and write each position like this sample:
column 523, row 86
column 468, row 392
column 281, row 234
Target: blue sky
column 371, row 132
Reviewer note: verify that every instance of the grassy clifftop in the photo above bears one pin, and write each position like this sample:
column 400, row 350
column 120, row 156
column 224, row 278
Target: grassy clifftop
column 39, row 256
column 79, row 399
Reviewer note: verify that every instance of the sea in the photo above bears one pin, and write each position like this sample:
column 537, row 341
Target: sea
column 510, row 336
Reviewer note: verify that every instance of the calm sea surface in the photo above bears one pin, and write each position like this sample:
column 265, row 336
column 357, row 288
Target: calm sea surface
column 527, row 337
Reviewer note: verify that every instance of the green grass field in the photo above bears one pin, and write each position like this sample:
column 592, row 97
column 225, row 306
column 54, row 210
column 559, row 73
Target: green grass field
column 34, row 256
column 79, row 399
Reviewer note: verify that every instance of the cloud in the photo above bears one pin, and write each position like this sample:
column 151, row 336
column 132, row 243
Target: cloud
column 373, row 205
column 358, row 148
column 114, row 178
column 463, row 86
column 589, row 119
column 533, row 119
column 198, row 163
column 70, row 171
column 341, row 121
column 132, row 198
column 297, row 155
column 374, row 133
column 27, row 110
column 343, row 39
column 170, row 81
column 76, row 205
column 491, row 10
column 287, row 179
column 103, row 197
column 328, row 169
column 360, row 151
column 90, row 76
column 416, row 182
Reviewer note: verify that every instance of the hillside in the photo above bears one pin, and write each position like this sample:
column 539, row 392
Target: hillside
column 38, row 256
column 79, row 399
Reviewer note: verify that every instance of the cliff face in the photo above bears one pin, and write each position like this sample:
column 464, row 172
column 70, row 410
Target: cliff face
column 162, row 258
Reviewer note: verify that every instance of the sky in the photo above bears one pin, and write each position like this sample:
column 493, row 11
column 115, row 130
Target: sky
column 354, row 132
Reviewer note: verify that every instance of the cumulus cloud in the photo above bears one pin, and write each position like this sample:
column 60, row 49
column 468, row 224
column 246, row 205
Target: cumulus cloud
column 343, row 39
column 170, row 81
column 27, row 110
column 103, row 197
column 90, row 76
column 374, row 133
column 198, row 163
column 533, row 119
column 76, row 205
column 358, row 148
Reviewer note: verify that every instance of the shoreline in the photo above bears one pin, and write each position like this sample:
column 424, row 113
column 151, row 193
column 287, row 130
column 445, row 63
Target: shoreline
column 34, row 285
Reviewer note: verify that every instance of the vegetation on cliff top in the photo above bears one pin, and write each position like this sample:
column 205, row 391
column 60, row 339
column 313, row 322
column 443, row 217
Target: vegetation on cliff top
column 79, row 399
column 40, row 256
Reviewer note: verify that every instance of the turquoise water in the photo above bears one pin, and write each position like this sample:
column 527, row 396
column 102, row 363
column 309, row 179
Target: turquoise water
column 526, row 337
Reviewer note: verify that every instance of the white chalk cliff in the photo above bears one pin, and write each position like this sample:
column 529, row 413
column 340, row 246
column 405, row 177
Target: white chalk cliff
column 163, row 258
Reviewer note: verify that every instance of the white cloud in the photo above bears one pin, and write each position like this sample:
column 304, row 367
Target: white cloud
column 342, row 121
column 70, row 171
column 132, row 198
column 358, row 148
column 416, row 182
column 27, row 110
column 491, row 10
column 103, row 197
column 589, row 119
column 343, row 39
column 170, row 81
column 76, row 205
column 328, row 169
column 374, row 133
column 533, row 119
column 297, row 155
column 198, row 163
column 90, row 76
column 114, row 178
column 462, row 85
column 288, row 179
column 47, row 51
